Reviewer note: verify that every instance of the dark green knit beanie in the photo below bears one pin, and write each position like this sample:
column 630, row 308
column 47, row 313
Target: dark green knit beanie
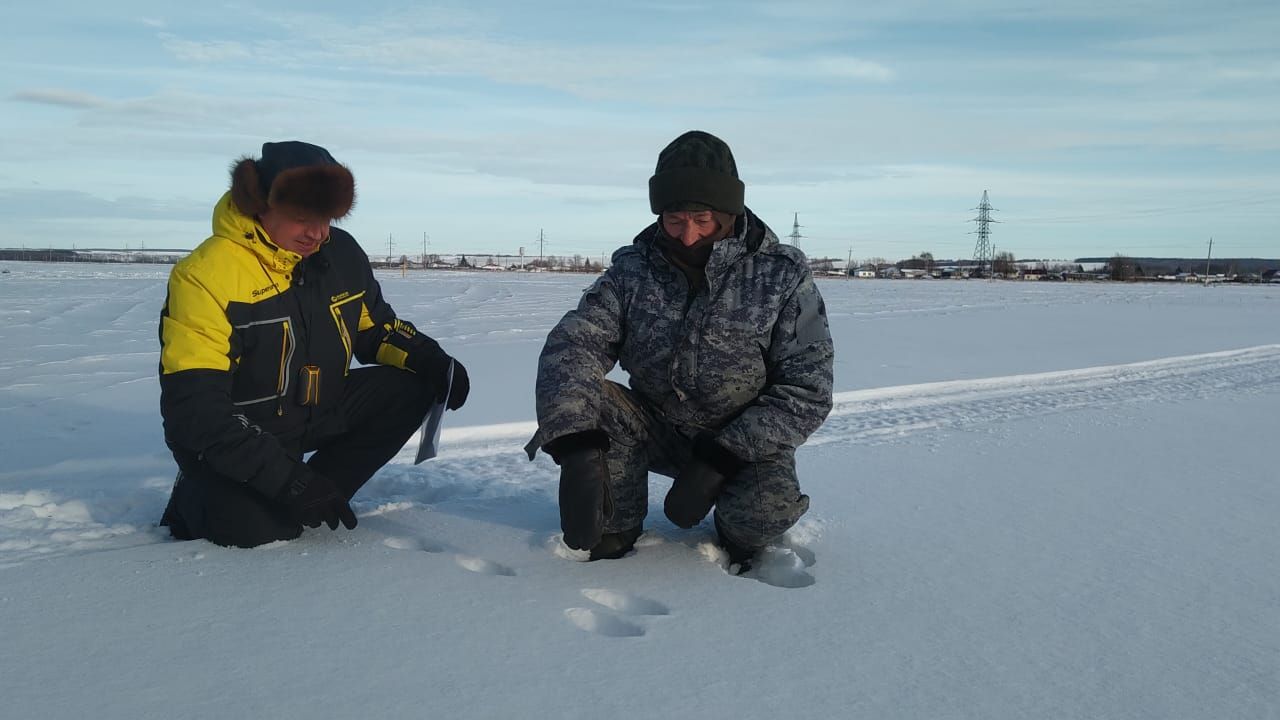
column 696, row 168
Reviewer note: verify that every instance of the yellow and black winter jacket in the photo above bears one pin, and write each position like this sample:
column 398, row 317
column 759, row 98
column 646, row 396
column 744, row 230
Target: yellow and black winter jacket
column 244, row 327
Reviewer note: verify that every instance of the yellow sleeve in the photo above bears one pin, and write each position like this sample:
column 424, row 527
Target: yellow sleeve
column 194, row 330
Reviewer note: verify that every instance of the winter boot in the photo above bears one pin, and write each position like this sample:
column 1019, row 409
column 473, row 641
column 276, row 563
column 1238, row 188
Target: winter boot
column 740, row 555
column 614, row 545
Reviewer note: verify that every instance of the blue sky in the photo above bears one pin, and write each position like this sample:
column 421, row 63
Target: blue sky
column 1097, row 127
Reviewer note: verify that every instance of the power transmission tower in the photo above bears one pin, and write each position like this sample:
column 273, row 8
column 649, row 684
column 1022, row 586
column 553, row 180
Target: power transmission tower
column 388, row 249
column 795, row 235
column 983, row 253
column 541, row 241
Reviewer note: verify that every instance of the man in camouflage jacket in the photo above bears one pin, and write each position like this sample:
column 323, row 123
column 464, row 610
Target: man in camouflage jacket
column 725, row 338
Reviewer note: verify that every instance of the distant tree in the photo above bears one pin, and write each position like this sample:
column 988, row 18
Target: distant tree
column 1121, row 267
column 1004, row 263
column 462, row 263
column 923, row 261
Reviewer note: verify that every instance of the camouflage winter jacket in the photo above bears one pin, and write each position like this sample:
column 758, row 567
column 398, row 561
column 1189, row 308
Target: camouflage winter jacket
column 748, row 356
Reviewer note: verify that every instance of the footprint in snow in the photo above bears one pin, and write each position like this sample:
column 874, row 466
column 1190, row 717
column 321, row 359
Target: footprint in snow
column 601, row 623
column 784, row 567
column 806, row 555
column 625, row 603
column 481, row 566
column 411, row 543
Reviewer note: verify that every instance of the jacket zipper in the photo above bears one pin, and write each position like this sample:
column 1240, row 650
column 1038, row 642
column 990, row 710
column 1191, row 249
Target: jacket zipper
column 284, row 366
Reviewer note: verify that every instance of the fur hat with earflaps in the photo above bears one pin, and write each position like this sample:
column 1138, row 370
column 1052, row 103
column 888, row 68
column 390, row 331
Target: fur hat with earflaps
column 696, row 170
column 296, row 175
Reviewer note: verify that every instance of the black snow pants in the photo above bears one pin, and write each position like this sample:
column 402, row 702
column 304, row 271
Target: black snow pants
column 380, row 409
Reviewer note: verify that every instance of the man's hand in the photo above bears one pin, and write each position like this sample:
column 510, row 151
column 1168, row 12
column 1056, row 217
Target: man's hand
column 432, row 364
column 425, row 357
column 312, row 498
column 699, row 482
column 461, row 386
column 584, row 486
column 583, row 495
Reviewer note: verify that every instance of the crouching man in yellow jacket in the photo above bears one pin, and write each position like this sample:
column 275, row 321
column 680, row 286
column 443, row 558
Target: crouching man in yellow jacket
column 257, row 336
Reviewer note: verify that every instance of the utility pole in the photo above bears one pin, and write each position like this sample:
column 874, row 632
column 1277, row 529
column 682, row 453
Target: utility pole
column 541, row 241
column 795, row 235
column 1206, row 262
column 388, row 249
column 848, row 264
column 425, row 239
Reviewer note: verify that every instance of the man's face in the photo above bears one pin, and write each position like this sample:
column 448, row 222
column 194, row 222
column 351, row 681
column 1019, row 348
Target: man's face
column 295, row 230
column 689, row 226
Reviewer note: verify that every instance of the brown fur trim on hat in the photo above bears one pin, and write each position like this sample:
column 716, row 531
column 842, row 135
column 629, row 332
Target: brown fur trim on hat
column 246, row 188
column 324, row 190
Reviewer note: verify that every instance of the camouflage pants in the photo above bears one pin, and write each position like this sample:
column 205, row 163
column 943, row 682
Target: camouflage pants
column 756, row 506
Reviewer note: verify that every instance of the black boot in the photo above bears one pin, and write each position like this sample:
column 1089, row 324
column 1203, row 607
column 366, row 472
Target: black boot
column 739, row 555
column 614, row 545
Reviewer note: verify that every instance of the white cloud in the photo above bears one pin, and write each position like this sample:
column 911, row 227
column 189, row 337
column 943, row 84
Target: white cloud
column 854, row 68
column 205, row 52
column 60, row 98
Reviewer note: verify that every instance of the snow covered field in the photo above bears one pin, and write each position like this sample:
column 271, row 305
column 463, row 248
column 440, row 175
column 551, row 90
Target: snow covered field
column 1031, row 501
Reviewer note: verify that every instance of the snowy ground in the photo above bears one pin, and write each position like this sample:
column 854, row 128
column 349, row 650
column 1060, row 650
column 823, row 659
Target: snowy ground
column 1031, row 501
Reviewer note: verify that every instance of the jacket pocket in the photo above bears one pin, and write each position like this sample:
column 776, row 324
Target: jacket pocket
column 263, row 371
column 335, row 309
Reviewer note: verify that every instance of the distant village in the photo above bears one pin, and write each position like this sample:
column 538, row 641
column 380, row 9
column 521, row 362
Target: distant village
column 918, row 267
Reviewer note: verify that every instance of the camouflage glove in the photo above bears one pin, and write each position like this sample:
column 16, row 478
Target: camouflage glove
column 311, row 498
column 584, row 490
column 700, row 481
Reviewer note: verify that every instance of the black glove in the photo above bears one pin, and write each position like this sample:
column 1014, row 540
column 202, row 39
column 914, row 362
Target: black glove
column 425, row 357
column 311, row 498
column 700, row 481
column 584, row 492
column 461, row 386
